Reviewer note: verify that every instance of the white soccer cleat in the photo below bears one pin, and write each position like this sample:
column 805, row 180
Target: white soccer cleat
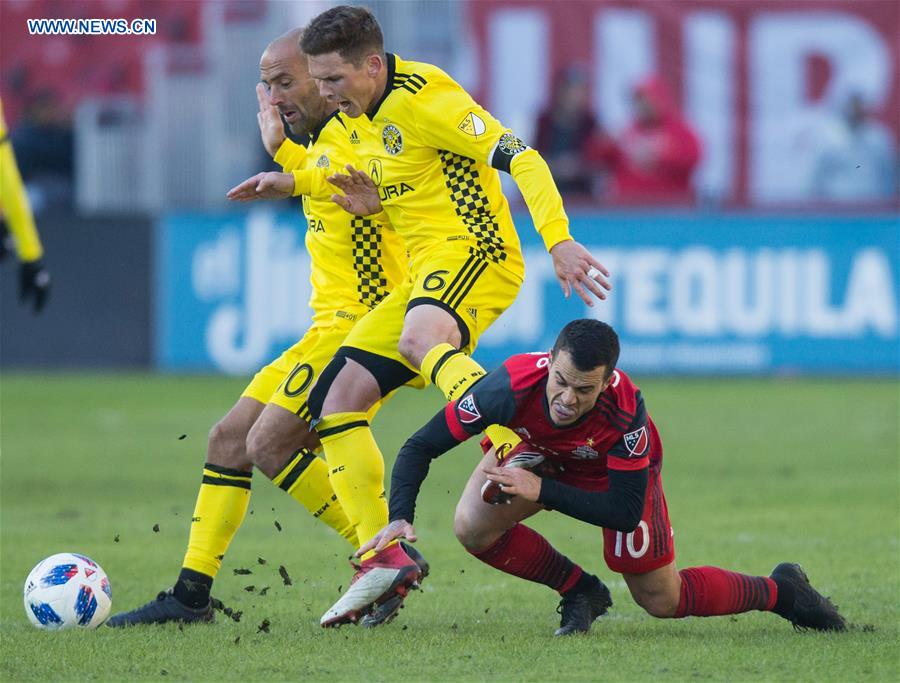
column 381, row 577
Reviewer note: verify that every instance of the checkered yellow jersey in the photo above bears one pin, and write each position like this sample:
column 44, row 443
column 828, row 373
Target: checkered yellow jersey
column 355, row 261
column 435, row 154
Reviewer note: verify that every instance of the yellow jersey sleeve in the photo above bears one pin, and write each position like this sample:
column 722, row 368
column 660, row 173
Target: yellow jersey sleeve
column 14, row 203
column 453, row 121
column 313, row 182
column 290, row 155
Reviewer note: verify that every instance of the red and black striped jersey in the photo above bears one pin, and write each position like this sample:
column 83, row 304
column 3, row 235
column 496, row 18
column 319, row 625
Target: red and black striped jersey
column 616, row 434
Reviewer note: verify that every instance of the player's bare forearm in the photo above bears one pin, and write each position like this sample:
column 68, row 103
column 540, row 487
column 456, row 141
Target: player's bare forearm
column 576, row 269
column 271, row 185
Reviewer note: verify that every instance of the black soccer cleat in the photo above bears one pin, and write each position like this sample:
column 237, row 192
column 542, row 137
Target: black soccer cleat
column 808, row 608
column 580, row 608
column 388, row 610
column 161, row 611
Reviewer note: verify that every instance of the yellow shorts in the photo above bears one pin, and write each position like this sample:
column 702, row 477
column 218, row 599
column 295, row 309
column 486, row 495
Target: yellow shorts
column 286, row 380
column 473, row 290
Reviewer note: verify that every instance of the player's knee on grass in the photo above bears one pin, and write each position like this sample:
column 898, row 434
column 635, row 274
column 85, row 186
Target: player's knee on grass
column 226, row 446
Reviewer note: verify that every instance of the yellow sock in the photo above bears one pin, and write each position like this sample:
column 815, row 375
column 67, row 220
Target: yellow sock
column 220, row 509
column 453, row 372
column 356, row 470
column 305, row 478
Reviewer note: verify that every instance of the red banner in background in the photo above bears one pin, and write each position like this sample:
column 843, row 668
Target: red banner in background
column 763, row 83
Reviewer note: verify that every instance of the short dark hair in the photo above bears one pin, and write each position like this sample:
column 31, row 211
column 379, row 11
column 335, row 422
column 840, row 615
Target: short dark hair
column 590, row 343
column 352, row 32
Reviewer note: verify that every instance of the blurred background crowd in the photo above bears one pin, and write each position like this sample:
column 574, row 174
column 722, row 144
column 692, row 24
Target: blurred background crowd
column 631, row 102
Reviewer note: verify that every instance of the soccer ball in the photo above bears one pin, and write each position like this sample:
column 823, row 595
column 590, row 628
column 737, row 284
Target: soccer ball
column 67, row 590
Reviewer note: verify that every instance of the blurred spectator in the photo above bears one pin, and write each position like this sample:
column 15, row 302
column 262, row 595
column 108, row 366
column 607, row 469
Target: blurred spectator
column 43, row 138
column 564, row 132
column 856, row 158
column 653, row 159
column 44, row 144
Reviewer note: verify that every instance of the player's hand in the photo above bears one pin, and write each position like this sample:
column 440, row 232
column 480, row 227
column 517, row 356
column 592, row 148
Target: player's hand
column 269, row 185
column 271, row 127
column 360, row 193
column 577, row 269
column 515, row 481
column 34, row 284
column 399, row 528
column 7, row 245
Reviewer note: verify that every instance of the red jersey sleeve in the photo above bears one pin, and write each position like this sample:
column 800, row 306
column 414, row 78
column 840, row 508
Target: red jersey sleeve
column 625, row 407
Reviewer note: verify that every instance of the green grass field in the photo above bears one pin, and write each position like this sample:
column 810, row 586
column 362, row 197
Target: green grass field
column 756, row 472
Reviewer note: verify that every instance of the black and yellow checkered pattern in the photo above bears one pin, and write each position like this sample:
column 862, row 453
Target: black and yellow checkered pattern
column 371, row 280
column 472, row 205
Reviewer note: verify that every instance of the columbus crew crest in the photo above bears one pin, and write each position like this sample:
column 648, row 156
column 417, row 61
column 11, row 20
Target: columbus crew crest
column 511, row 145
column 636, row 442
column 392, row 139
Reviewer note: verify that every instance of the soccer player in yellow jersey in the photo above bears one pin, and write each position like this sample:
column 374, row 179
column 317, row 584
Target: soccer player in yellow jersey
column 434, row 155
column 354, row 264
column 15, row 210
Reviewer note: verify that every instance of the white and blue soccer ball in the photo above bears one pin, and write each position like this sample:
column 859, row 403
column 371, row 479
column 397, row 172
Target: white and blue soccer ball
column 67, row 590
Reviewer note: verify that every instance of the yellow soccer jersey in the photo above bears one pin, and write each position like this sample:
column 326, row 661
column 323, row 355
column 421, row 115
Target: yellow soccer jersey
column 355, row 261
column 434, row 154
column 14, row 204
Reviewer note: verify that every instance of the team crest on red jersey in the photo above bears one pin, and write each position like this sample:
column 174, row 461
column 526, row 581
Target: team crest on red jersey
column 468, row 411
column 636, row 442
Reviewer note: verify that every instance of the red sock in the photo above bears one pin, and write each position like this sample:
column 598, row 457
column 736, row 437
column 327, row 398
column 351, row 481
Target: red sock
column 710, row 591
column 523, row 552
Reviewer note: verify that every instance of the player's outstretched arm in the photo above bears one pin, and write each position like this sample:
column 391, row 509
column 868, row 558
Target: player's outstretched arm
column 269, row 185
column 458, row 124
column 360, row 194
column 395, row 530
column 576, row 269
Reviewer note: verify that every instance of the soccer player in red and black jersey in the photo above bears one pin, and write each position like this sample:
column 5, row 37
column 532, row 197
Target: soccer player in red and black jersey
column 589, row 450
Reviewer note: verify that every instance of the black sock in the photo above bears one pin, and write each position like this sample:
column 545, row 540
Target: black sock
column 585, row 583
column 192, row 588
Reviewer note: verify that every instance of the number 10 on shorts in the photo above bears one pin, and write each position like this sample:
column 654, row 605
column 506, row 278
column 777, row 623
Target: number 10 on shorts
column 629, row 541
